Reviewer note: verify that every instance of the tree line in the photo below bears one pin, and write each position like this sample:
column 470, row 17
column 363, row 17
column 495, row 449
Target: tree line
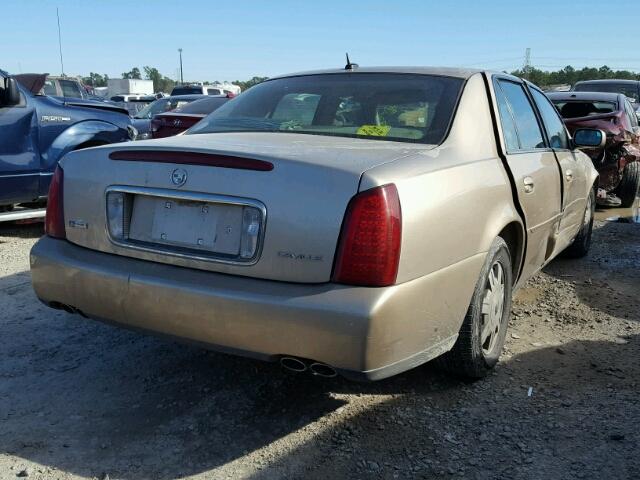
column 569, row 75
column 161, row 83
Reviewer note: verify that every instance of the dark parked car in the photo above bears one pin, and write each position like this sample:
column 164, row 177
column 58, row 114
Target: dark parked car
column 175, row 122
column 616, row 162
column 142, row 119
column 629, row 88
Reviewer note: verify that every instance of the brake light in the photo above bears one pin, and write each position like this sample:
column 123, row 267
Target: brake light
column 54, row 219
column 191, row 158
column 369, row 248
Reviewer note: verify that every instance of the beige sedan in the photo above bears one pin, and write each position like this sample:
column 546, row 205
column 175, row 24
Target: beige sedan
column 357, row 222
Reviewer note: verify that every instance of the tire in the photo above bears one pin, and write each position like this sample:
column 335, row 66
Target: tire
column 629, row 185
column 582, row 241
column 475, row 353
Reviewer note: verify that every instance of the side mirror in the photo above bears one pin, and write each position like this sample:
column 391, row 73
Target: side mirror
column 11, row 93
column 589, row 138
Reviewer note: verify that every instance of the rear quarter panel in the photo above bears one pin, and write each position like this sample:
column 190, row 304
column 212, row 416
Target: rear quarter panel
column 455, row 201
column 456, row 198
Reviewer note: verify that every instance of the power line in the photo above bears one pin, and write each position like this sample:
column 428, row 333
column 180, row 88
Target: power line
column 512, row 59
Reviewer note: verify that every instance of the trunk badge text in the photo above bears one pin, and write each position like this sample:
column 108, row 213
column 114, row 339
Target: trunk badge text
column 179, row 177
column 78, row 224
column 301, row 256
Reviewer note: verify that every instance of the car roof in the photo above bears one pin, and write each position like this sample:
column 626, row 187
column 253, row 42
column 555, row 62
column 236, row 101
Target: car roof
column 589, row 96
column 440, row 71
column 612, row 80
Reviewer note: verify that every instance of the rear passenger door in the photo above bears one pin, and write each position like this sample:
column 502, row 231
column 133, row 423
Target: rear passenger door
column 534, row 169
column 574, row 171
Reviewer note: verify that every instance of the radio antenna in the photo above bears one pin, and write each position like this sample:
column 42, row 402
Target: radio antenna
column 349, row 65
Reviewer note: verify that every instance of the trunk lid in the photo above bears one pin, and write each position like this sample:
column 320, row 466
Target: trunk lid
column 304, row 198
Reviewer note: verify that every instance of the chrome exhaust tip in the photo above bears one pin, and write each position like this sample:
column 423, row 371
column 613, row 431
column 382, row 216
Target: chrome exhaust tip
column 293, row 364
column 322, row 370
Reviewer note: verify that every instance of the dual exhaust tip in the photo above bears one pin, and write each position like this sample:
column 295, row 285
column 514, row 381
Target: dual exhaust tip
column 297, row 365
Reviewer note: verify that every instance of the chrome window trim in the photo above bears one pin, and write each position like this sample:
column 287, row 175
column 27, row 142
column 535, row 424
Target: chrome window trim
column 193, row 196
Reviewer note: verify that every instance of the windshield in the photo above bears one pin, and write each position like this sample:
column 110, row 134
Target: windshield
column 162, row 105
column 576, row 109
column 629, row 90
column 380, row 106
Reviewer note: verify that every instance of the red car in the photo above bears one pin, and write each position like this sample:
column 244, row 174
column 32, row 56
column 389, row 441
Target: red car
column 177, row 121
column 618, row 162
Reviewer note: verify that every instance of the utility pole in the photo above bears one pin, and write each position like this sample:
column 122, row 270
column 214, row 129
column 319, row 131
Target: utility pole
column 181, row 77
column 527, row 63
column 60, row 42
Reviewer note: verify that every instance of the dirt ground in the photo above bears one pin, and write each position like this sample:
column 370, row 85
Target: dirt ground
column 79, row 399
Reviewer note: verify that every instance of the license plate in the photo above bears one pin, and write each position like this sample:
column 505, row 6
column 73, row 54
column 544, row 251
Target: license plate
column 212, row 227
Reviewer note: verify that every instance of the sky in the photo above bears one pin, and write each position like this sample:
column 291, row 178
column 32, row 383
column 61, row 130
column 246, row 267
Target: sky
column 225, row 40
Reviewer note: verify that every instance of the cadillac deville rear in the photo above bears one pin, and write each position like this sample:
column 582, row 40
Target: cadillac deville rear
column 359, row 221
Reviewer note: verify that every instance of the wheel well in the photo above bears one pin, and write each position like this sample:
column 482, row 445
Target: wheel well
column 513, row 235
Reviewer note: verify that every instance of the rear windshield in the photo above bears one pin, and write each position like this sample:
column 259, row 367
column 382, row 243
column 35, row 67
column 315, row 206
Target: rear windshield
column 378, row 106
column 629, row 90
column 162, row 105
column 204, row 106
column 186, row 90
column 575, row 109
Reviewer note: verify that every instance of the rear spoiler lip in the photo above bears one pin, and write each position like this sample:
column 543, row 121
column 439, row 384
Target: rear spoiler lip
column 191, row 158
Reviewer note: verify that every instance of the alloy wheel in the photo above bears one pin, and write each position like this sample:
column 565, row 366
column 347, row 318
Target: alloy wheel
column 492, row 308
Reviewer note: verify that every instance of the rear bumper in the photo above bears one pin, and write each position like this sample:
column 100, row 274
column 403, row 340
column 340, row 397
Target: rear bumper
column 364, row 333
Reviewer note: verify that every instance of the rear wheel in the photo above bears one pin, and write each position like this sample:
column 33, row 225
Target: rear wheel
column 481, row 337
column 629, row 184
column 581, row 244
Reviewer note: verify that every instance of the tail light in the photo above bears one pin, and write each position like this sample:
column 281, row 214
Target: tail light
column 369, row 247
column 54, row 219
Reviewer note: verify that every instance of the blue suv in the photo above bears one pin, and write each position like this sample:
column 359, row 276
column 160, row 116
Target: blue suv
column 37, row 130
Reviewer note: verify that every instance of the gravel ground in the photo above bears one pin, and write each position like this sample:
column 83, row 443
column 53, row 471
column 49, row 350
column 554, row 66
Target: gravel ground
column 79, row 399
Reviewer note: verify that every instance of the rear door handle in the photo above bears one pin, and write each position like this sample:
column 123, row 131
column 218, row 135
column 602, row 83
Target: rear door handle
column 528, row 184
column 568, row 175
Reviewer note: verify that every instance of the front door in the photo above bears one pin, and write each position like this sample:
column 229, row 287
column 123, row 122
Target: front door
column 534, row 169
column 19, row 158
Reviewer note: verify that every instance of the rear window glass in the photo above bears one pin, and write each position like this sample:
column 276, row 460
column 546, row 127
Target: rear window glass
column 379, row 106
column 49, row 88
column 529, row 134
column 576, row 109
column 629, row 90
column 70, row 89
column 205, row 106
column 186, row 90
column 163, row 105
column 213, row 91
